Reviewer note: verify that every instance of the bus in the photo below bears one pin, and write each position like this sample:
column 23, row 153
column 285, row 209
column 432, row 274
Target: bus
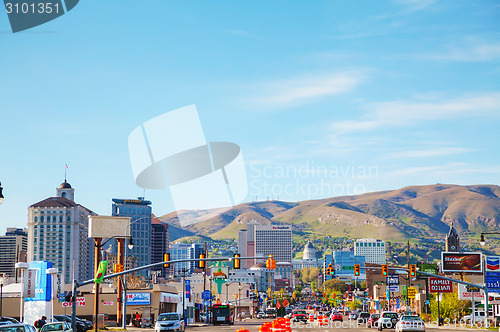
column 223, row 314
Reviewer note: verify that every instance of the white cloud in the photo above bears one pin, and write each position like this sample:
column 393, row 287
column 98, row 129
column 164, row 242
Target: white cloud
column 306, row 89
column 468, row 52
column 444, row 171
column 430, row 152
column 407, row 113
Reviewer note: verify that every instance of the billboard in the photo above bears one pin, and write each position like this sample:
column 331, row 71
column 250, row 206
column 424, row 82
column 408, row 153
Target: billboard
column 462, row 262
column 428, row 268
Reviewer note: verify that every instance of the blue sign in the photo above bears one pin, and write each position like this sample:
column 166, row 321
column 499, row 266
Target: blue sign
column 493, row 263
column 392, row 279
column 138, row 298
column 188, row 288
column 61, row 297
column 206, row 295
column 492, row 282
column 393, row 288
column 43, row 283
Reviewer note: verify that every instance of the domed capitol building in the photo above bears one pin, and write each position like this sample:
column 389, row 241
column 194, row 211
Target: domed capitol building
column 309, row 258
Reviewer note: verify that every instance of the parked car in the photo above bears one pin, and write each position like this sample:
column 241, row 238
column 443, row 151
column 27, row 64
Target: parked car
column 261, row 314
column 410, row 323
column 372, row 321
column 479, row 317
column 57, row 327
column 353, row 316
column 9, row 327
column 336, row 316
column 299, row 315
column 169, row 321
column 387, row 320
column 80, row 326
column 10, row 320
column 363, row 317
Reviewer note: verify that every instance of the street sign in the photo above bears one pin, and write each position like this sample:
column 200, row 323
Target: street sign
column 392, row 279
column 466, row 292
column 394, row 288
column 438, row 285
column 412, row 291
column 492, row 280
column 206, row 295
column 60, row 296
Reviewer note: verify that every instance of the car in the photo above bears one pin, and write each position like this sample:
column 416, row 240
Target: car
column 387, row 320
column 10, row 327
column 299, row 315
column 479, row 317
column 57, row 327
column 353, row 316
column 410, row 323
column 8, row 320
column 336, row 316
column 169, row 321
column 363, row 317
column 372, row 321
column 261, row 314
column 80, row 326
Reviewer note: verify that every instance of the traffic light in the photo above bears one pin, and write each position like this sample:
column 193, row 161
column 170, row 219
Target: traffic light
column 357, row 270
column 201, row 264
column 271, row 263
column 118, row 268
column 236, row 262
column 166, row 258
column 413, row 270
column 330, row 270
column 385, row 270
column 67, row 297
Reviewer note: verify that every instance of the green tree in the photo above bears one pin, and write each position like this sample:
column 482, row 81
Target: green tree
column 334, row 286
column 449, row 307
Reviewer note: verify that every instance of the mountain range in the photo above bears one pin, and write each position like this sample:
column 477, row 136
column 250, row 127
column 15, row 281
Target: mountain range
column 415, row 212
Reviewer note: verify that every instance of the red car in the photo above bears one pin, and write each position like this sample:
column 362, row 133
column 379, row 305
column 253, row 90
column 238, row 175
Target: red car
column 299, row 315
column 336, row 316
column 372, row 321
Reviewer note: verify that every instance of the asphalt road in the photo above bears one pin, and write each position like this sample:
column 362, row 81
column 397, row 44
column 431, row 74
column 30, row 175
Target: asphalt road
column 253, row 325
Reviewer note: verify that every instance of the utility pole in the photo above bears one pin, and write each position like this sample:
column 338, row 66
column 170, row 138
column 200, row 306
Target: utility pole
column 205, row 277
column 408, row 267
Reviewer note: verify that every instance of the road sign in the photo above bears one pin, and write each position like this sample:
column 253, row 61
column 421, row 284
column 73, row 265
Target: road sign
column 392, row 279
column 438, row 285
column 412, row 291
column 206, row 295
column 394, row 288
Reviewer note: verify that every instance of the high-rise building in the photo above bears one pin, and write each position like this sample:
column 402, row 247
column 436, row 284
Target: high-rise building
column 452, row 240
column 180, row 251
column 344, row 261
column 326, row 263
column 160, row 244
column 13, row 249
column 58, row 232
column 265, row 240
column 139, row 212
column 372, row 249
column 194, row 253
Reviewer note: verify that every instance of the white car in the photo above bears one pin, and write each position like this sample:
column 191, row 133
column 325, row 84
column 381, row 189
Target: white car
column 169, row 321
column 479, row 317
column 410, row 323
column 353, row 316
column 387, row 320
column 261, row 314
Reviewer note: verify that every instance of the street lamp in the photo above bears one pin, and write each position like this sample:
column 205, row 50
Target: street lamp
column 22, row 266
column 1, row 297
column 482, row 242
column 52, row 271
column 1, row 194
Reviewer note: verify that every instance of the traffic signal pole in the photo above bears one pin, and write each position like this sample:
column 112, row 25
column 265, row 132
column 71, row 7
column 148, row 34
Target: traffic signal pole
column 121, row 248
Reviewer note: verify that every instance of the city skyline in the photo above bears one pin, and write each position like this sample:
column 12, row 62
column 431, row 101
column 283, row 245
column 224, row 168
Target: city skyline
column 324, row 100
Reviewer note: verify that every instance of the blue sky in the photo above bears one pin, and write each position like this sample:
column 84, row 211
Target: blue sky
column 325, row 98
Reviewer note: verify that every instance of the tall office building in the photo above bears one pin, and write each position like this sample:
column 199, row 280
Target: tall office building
column 343, row 262
column 372, row 249
column 139, row 212
column 265, row 240
column 180, row 251
column 160, row 244
column 13, row 249
column 58, row 232
column 194, row 253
